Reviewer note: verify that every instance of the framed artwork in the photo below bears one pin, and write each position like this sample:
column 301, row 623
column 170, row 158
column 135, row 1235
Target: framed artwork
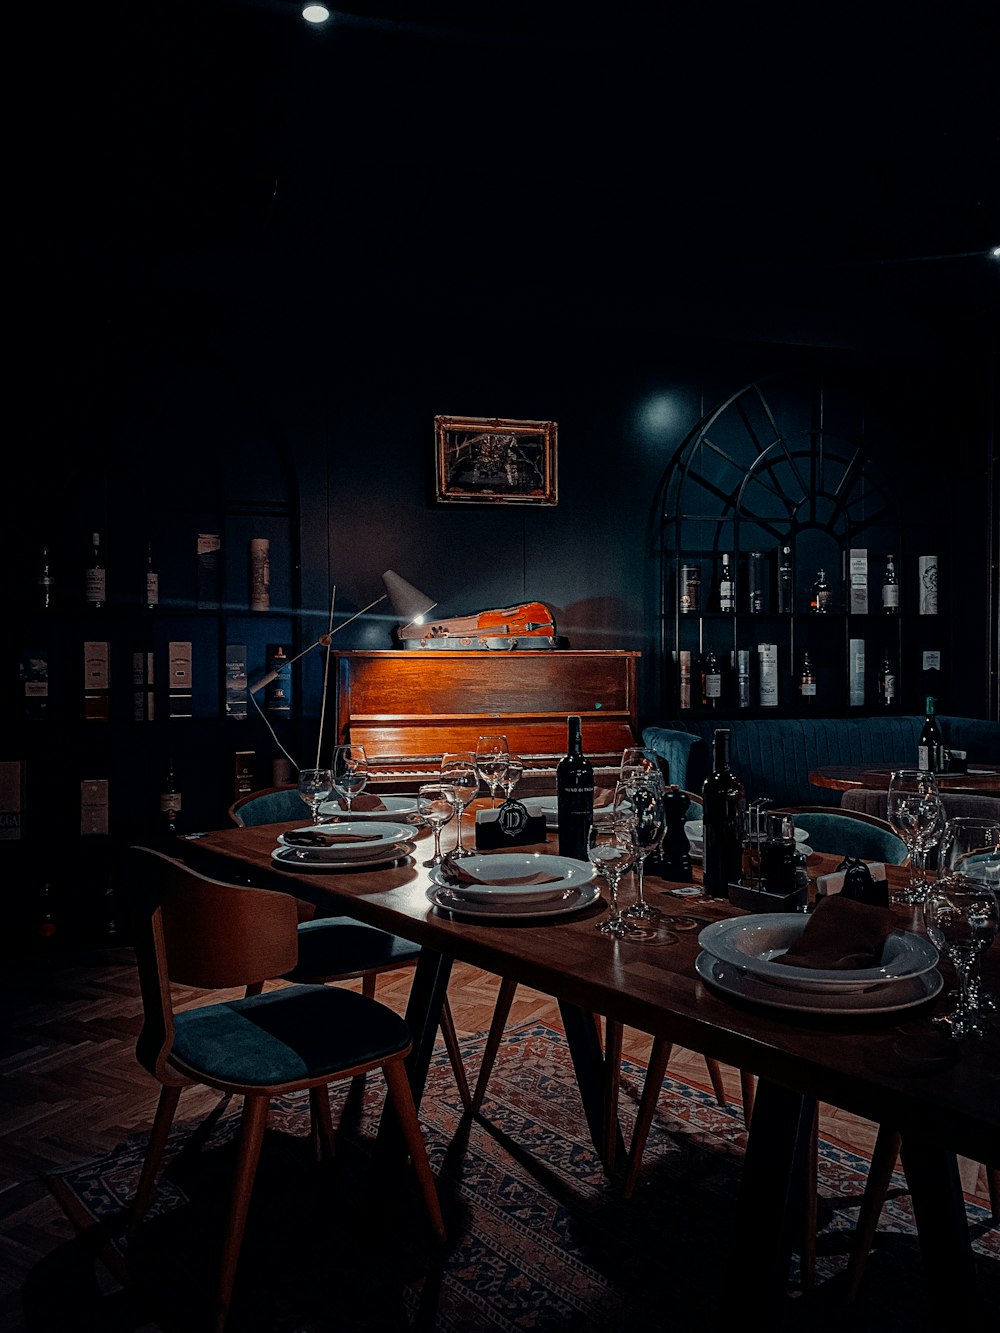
column 486, row 460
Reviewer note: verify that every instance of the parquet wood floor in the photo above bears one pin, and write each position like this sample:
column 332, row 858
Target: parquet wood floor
column 70, row 1087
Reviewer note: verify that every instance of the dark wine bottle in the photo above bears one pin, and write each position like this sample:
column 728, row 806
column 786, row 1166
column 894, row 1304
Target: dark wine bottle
column 95, row 577
column 574, row 795
column 807, row 682
column 931, row 753
column 152, row 580
column 46, row 582
column 890, row 587
column 722, row 797
column 886, row 683
column 727, row 586
column 170, row 802
column 711, row 681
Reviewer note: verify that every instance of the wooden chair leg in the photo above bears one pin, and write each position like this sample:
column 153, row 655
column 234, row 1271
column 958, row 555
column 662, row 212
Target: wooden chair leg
column 166, row 1108
column 993, row 1182
column 455, row 1054
column 658, row 1058
column 368, row 985
column 883, row 1163
column 715, row 1074
column 252, row 1125
column 613, row 1032
column 505, row 998
column 807, row 1250
column 402, row 1100
column 321, row 1123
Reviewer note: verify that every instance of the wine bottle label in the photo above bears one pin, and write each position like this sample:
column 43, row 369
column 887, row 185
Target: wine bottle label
column 808, row 688
column 713, row 685
column 690, row 589
column 95, row 585
column 890, row 596
column 152, row 589
column 170, row 802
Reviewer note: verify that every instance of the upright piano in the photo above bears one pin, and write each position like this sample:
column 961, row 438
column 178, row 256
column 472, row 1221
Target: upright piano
column 409, row 706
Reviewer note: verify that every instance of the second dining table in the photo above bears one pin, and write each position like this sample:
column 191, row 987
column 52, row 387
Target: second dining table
column 891, row 1066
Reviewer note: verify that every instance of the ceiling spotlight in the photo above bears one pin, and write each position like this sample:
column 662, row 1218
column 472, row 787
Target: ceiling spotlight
column 995, row 252
column 315, row 13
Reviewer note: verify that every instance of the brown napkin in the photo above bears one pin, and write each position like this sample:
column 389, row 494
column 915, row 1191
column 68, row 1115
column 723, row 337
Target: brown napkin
column 841, row 933
column 603, row 796
column 366, row 801
column 313, row 838
column 457, row 875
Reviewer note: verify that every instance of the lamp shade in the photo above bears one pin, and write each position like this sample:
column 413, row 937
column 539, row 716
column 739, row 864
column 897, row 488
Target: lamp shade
column 408, row 602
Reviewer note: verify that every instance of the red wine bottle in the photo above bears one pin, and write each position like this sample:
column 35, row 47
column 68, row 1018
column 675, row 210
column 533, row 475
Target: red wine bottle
column 574, row 795
column 722, row 795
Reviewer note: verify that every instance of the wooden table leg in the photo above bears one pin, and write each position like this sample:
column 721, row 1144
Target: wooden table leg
column 588, row 1064
column 943, row 1231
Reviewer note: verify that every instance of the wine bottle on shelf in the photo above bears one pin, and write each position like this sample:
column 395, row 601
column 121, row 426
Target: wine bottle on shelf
column 152, row 580
column 574, row 794
column 170, row 802
column 821, row 600
column 95, row 577
column 785, row 584
column 711, row 680
column 723, row 796
column 807, row 681
column 45, row 582
column 886, row 683
column 727, row 585
column 890, row 587
column 931, row 754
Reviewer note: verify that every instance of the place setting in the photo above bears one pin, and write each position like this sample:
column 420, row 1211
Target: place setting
column 512, row 884
column 352, row 845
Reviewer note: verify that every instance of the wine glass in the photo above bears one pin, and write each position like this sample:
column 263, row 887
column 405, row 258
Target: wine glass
column 962, row 917
column 643, row 800
column 492, row 758
column 458, row 769
column 512, row 775
column 350, row 772
column 971, row 846
column 639, row 762
column 436, row 805
column 611, row 849
column 315, row 786
column 915, row 810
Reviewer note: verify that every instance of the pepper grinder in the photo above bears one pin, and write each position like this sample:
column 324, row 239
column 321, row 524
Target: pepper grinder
column 675, row 850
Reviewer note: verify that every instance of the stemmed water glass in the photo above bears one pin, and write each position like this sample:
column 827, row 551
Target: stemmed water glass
column 970, row 846
column 639, row 762
column 512, row 775
column 315, row 786
column 458, row 769
column 350, row 772
column 436, row 803
column 962, row 917
column 492, row 758
column 915, row 810
column 611, row 848
column 641, row 796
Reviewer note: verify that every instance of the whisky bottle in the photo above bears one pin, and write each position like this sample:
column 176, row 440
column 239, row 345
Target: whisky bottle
column 170, row 802
column 890, row 588
column 574, row 794
column 152, row 580
column 886, row 683
column 785, row 584
column 727, row 586
column 45, row 582
column 821, row 599
column 95, row 577
column 931, row 753
column 711, row 680
column 807, row 682
column 722, row 795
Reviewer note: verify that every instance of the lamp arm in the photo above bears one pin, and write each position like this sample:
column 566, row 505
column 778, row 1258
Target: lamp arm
column 322, row 641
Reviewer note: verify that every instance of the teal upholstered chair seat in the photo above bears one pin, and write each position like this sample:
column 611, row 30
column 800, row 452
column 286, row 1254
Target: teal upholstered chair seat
column 849, row 833
column 271, row 805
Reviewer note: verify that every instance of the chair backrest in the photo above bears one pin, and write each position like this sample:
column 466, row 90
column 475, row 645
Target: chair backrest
column 269, row 805
column 191, row 930
column 848, row 833
column 874, row 802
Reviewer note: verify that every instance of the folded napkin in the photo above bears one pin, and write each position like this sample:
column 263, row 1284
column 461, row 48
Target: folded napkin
column 841, row 933
column 603, row 796
column 366, row 801
column 458, row 875
column 313, row 838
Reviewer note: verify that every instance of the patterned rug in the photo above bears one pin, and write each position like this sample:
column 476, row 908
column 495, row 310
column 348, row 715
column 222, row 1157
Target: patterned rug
column 541, row 1239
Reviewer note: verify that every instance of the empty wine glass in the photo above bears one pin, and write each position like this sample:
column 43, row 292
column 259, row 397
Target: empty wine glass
column 436, row 803
column 512, row 775
column 350, row 772
column 315, row 787
column 611, row 848
column 643, row 801
column 639, row 762
column 915, row 810
column 458, row 769
column 962, row 917
column 492, row 758
column 971, row 846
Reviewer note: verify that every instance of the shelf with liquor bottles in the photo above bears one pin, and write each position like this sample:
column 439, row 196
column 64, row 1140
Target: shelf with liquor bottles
column 789, row 564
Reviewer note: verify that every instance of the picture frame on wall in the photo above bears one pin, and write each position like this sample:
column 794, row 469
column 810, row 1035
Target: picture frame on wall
column 490, row 460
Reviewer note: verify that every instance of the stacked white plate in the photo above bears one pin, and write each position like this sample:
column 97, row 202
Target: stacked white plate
column 393, row 808
column 493, row 886
column 350, row 845
column 695, row 830
column 742, row 957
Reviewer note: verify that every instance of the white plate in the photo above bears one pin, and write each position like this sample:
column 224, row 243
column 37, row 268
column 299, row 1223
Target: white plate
column 493, row 872
column 882, row 1000
column 575, row 899
column 755, row 944
column 485, row 892
column 378, row 837
column 287, row 859
column 549, row 807
column 395, row 808
column 695, row 830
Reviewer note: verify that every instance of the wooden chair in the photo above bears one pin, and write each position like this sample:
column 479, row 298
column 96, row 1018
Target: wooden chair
column 338, row 948
column 194, row 931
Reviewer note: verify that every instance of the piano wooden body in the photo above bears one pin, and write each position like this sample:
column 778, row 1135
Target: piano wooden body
column 409, row 706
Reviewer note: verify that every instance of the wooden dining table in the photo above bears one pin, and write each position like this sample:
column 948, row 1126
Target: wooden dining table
column 982, row 779
column 894, row 1068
